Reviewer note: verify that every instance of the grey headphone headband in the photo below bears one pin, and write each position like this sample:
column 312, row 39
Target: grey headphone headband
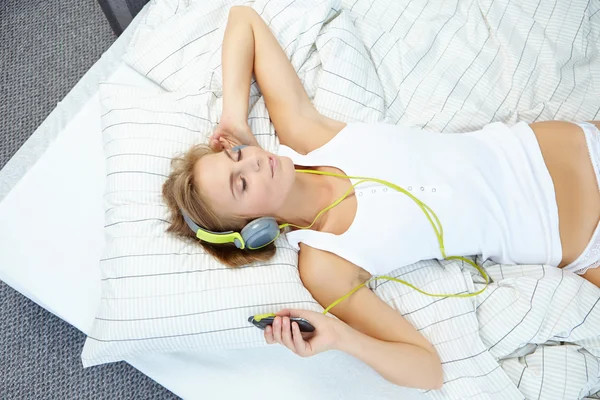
column 195, row 227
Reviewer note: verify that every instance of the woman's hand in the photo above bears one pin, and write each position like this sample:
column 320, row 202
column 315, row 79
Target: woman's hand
column 228, row 135
column 327, row 335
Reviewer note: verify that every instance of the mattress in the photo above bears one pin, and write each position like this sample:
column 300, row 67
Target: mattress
column 51, row 213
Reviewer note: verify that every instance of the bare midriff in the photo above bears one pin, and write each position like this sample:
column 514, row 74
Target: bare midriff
column 567, row 158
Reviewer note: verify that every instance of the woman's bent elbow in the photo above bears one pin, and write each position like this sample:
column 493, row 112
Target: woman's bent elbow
column 439, row 382
column 431, row 377
column 435, row 379
column 437, row 373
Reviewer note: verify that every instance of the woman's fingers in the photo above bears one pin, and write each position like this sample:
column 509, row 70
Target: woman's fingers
column 277, row 330
column 283, row 312
column 286, row 334
column 269, row 335
column 282, row 333
column 299, row 343
column 215, row 142
column 225, row 144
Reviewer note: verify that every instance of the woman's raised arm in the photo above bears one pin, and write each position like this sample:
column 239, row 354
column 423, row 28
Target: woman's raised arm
column 249, row 46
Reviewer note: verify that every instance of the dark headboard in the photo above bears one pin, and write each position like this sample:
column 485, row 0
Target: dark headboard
column 120, row 12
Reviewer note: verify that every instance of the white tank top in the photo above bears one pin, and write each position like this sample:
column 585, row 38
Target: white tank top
column 490, row 189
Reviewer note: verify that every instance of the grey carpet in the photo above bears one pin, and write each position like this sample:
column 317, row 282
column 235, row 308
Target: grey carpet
column 45, row 48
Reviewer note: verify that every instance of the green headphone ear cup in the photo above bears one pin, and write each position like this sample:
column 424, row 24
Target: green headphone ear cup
column 260, row 232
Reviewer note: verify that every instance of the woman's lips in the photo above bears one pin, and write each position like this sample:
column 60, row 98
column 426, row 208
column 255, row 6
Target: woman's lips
column 272, row 164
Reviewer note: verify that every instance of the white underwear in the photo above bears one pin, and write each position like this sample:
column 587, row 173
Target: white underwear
column 590, row 258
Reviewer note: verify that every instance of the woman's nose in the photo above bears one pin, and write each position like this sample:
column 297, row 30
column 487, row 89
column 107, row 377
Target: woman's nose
column 254, row 164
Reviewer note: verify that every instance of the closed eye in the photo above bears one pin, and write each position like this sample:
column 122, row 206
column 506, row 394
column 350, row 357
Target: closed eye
column 244, row 182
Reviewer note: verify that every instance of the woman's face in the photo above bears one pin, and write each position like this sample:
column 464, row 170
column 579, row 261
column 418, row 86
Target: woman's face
column 250, row 182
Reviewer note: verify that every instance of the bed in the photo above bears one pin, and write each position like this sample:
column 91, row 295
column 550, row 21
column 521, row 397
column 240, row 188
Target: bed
column 62, row 274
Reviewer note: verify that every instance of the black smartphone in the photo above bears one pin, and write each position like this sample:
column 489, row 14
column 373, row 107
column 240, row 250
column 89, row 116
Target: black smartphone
column 263, row 322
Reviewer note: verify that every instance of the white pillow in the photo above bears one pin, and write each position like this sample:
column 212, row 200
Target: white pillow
column 159, row 293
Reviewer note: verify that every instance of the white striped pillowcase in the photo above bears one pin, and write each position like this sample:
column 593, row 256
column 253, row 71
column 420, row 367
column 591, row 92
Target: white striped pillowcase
column 159, row 293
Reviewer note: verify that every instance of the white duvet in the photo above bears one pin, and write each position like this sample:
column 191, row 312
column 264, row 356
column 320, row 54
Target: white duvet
column 448, row 66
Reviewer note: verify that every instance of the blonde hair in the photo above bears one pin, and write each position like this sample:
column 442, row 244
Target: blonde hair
column 181, row 192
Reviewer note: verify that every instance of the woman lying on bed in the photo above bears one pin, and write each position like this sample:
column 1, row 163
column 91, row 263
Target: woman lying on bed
column 526, row 194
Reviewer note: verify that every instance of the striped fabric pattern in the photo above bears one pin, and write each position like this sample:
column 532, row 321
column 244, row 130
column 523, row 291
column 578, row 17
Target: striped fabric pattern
column 449, row 66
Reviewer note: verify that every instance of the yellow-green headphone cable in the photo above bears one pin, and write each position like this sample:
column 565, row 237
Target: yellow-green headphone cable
column 429, row 213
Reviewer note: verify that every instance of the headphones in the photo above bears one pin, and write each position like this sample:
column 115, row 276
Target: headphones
column 265, row 230
column 255, row 235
